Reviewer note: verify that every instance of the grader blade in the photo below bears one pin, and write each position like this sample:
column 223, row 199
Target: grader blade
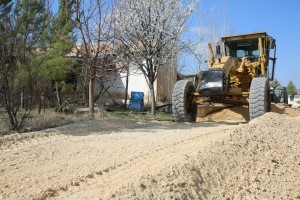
column 204, row 110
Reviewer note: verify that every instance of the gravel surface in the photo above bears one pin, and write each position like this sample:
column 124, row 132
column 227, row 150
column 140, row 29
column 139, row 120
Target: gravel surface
column 103, row 159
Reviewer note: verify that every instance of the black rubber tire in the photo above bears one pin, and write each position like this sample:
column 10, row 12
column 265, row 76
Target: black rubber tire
column 259, row 100
column 182, row 107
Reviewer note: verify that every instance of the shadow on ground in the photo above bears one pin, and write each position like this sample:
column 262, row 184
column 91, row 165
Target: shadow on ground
column 108, row 126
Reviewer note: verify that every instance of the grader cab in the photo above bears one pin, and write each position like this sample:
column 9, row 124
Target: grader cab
column 238, row 74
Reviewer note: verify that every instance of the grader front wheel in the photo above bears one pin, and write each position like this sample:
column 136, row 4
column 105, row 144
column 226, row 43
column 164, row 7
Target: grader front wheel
column 259, row 100
column 182, row 106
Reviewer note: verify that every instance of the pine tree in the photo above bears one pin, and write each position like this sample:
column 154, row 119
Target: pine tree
column 61, row 44
column 22, row 50
column 291, row 88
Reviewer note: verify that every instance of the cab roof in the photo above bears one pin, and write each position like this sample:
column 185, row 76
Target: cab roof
column 246, row 36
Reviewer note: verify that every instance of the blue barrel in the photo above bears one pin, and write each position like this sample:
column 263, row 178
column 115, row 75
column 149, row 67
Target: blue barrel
column 136, row 101
column 137, row 96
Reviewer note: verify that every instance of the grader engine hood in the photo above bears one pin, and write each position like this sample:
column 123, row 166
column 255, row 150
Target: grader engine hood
column 213, row 82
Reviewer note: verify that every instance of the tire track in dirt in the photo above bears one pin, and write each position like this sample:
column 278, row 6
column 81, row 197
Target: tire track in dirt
column 102, row 184
column 40, row 167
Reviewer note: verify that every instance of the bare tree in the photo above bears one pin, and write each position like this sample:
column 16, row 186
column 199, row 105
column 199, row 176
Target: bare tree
column 219, row 26
column 149, row 32
column 93, row 22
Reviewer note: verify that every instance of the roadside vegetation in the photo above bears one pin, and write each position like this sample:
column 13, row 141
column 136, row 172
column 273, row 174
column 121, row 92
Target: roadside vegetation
column 44, row 120
column 49, row 118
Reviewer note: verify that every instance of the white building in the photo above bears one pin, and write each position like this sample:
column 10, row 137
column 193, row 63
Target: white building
column 116, row 84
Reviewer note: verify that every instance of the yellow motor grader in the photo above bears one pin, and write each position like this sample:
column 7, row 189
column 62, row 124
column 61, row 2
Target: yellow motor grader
column 238, row 74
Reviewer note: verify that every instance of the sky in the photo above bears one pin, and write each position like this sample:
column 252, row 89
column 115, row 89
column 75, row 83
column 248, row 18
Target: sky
column 280, row 19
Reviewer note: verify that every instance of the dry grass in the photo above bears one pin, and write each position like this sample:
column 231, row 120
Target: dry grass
column 3, row 125
column 37, row 122
column 51, row 119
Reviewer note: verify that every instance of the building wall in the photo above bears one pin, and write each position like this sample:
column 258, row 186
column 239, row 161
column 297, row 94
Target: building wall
column 117, row 86
column 163, row 86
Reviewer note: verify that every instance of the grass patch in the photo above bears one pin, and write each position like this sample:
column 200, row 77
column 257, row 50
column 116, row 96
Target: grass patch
column 122, row 113
column 298, row 101
column 128, row 115
column 164, row 116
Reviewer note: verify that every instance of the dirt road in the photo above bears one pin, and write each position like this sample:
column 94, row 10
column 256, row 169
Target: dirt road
column 259, row 160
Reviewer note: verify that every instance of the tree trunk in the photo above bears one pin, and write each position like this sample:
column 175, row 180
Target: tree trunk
column 22, row 100
column 91, row 95
column 58, row 95
column 40, row 104
column 44, row 104
column 13, row 121
column 126, row 87
column 85, row 92
column 153, row 101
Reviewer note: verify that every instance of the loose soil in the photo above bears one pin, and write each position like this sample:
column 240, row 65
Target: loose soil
column 241, row 113
column 104, row 159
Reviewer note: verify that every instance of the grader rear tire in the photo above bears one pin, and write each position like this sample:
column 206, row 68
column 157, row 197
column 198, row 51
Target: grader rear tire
column 182, row 96
column 259, row 100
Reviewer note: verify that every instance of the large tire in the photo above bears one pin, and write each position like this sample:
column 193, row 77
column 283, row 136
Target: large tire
column 182, row 107
column 259, row 100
